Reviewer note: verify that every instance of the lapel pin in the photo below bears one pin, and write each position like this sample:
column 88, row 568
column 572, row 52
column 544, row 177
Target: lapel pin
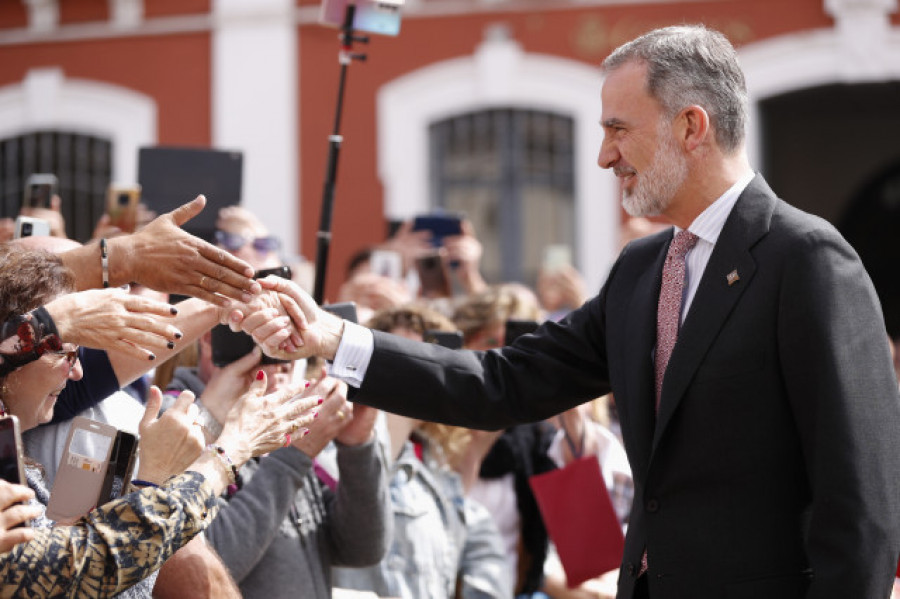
column 732, row 278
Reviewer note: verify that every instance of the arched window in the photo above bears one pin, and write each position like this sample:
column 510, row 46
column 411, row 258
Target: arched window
column 511, row 172
column 82, row 163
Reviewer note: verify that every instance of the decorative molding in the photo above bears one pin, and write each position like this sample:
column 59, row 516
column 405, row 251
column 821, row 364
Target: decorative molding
column 43, row 15
column 500, row 74
column 46, row 99
column 126, row 14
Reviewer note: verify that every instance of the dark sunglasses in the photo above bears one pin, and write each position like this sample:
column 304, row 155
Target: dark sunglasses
column 233, row 242
column 70, row 353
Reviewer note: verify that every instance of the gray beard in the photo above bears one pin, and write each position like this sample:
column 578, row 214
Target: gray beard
column 659, row 183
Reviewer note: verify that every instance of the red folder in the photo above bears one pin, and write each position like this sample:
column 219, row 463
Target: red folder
column 580, row 519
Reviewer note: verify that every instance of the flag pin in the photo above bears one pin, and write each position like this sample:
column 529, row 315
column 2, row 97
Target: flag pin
column 732, row 278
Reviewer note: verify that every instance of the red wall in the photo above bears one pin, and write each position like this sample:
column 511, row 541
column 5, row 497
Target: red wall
column 174, row 70
column 584, row 34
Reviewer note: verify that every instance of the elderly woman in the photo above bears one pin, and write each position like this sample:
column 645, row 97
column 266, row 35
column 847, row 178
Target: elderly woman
column 116, row 545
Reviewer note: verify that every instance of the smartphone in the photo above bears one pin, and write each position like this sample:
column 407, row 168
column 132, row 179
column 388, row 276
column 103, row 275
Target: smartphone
column 39, row 189
column 121, row 466
column 448, row 339
column 12, row 467
column 516, row 328
column 122, row 206
column 28, row 226
column 387, row 263
column 229, row 346
column 556, row 256
column 82, row 470
column 443, row 224
column 346, row 310
column 433, row 279
column 372, row 16
column 279, row 271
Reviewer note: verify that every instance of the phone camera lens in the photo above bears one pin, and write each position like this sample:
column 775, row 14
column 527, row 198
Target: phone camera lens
column 26, row 229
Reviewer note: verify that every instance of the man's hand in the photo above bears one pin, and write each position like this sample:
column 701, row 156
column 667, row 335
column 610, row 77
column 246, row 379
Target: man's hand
column 311, row 331
column 164, row 257
column 115, row 321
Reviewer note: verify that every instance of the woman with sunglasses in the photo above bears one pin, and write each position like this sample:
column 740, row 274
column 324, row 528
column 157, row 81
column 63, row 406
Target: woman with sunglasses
column 118, row 544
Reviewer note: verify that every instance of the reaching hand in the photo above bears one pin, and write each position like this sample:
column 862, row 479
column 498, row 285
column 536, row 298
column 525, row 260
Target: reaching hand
column 228, row 383
column 181, row 263
column 333, row 415
column 115, row 321
column 14, row 512
column 311, row 331
column 171, row 442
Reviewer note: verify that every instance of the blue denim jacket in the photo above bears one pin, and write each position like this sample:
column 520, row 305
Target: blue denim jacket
column 439, row 536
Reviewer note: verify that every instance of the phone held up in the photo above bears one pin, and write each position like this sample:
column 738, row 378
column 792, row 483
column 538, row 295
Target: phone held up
column 12, row 467
column 40, row 189
column 516, row 328
column 29, row 226
column 122, row 206
column 433, row 278
column 372, row 16
column 448, row 339
column 440, row 225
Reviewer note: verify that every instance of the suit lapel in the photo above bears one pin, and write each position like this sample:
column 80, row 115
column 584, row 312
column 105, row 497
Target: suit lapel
column 715, row 297
column 640, row 341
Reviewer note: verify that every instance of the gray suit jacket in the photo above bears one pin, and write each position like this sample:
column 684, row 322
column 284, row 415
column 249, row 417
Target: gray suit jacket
column 771, row 469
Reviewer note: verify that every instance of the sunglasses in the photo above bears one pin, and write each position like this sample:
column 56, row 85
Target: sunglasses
column 233, row 242
column 70, row 352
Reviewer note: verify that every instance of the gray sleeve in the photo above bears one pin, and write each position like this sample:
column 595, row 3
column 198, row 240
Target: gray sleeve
column 482, row 567
column 246, row 525
column 359, row 509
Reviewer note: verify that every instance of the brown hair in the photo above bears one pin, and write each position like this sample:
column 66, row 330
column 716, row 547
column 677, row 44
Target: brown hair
column 29, row 279
column 495, row 304
column 417, row 318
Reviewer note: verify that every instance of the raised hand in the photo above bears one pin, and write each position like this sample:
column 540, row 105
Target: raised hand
column 181, row 263
column 115, row 321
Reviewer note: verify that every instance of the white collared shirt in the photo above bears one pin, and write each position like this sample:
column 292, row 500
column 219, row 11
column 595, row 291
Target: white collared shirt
column 708, row 226
column 357, row 343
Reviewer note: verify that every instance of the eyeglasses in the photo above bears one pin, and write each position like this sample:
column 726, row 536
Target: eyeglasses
column 233, row 242
column 69, row 351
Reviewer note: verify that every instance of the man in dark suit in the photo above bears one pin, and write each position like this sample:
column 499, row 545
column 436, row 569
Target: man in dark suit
column 764, row 443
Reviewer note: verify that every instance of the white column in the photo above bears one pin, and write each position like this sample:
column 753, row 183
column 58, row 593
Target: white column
column 254, row 105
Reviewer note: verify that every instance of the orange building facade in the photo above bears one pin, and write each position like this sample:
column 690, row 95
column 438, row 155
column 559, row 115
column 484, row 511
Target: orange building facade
column 261, row 76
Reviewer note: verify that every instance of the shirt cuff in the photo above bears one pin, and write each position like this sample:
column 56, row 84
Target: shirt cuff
column 353, row 354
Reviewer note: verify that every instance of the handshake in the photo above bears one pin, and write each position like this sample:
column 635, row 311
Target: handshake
column 286, row 322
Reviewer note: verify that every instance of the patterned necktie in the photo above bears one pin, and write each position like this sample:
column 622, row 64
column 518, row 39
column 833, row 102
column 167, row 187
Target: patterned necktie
column 668, row 312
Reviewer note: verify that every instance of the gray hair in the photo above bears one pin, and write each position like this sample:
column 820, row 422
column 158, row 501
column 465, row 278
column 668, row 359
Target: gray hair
column 691, row 64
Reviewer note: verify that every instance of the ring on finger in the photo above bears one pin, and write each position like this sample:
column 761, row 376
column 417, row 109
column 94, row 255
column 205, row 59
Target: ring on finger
column 340, row 414
column 203, row 282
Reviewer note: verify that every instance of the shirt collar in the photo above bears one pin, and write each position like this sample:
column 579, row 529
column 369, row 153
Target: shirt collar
column 708, row 225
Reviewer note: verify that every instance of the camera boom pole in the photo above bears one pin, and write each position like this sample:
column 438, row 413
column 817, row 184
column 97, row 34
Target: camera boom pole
column 323, row 238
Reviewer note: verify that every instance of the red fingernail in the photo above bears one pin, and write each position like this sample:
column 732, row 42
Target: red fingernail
column 305, row 432
column 260, row 374
column 308, row 384
column 321, row 401
column 315, row 415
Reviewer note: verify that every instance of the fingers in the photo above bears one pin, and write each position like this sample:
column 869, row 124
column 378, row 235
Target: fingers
column 186, row 212
column 11, row 494
column 151, row 410
column 224, row 273
column 295, row 313
column 184, row 401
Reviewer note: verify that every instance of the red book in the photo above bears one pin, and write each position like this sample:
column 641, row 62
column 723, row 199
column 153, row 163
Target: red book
column 580, row 519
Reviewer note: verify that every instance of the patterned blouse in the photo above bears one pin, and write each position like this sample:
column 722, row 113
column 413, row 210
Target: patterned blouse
column 114, row 546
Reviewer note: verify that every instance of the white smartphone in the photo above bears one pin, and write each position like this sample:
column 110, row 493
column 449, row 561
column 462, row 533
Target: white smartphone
column 82, row 470
column 28, row 226
column 387, row 263
column 372, row 16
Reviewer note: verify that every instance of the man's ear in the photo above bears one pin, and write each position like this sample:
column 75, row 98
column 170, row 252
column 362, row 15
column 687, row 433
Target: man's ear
column 692, row 126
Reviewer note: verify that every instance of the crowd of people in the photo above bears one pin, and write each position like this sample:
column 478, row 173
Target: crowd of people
column 289, row 452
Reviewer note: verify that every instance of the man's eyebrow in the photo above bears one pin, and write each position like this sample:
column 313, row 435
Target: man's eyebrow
column 612, row 122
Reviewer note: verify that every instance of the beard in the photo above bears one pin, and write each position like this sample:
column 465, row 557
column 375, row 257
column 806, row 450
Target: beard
column 657, row 185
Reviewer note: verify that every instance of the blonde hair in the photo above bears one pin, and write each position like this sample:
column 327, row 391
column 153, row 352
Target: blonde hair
column 496, row 304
